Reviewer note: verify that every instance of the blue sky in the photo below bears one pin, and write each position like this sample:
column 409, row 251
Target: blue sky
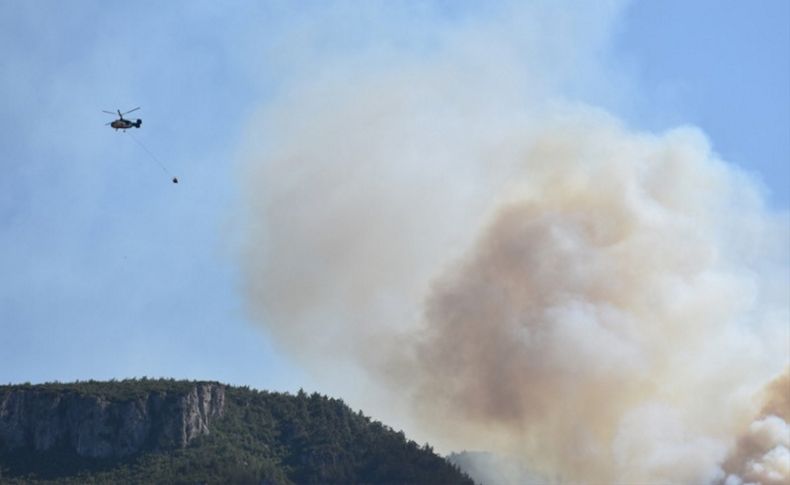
column 110, row 271
column 722, row 66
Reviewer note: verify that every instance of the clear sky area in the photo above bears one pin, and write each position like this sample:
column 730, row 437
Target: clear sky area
column 109, row 270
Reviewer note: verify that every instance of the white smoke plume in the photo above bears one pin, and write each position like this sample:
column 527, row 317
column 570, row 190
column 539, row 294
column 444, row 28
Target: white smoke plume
column 762, row 452
column 518, row 272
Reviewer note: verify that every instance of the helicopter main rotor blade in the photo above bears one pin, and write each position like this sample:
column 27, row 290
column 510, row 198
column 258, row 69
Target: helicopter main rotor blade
column 108, row 112
column 132, row 110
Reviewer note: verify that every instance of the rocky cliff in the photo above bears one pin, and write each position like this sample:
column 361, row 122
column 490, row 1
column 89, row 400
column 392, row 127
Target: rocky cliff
column 100, row 426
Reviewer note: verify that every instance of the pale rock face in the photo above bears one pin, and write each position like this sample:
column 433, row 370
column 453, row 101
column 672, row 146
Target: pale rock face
column 93, row 426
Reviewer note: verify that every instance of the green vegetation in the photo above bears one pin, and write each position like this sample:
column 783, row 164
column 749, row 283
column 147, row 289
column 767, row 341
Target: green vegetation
column 111, row 390
column 263, row 437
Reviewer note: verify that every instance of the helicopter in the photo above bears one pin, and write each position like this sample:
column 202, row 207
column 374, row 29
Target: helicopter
column 122, row 123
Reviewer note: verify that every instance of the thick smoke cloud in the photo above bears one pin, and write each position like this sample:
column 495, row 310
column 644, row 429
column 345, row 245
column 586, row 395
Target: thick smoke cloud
column 599, row 322
column 516, row 272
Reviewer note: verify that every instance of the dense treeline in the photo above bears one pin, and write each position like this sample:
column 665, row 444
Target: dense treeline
column 263, row 437
column 113, row 390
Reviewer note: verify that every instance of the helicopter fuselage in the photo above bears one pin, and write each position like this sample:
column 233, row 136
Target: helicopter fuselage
column 124, row 124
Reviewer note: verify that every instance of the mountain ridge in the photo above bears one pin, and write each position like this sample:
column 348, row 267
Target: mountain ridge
column 168, row 431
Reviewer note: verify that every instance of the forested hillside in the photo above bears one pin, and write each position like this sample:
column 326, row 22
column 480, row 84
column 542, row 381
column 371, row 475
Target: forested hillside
column 165, row 431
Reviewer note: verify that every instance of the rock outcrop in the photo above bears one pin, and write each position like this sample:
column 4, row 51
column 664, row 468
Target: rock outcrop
column 100, row 427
